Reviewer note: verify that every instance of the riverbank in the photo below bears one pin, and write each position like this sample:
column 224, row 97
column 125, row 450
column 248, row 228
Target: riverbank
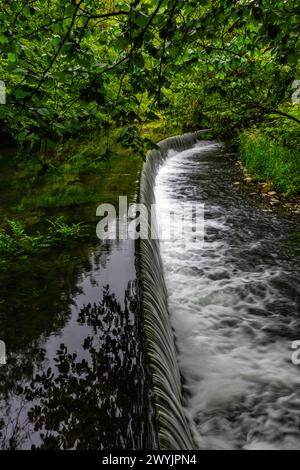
column 270, row 159
column 64, row 186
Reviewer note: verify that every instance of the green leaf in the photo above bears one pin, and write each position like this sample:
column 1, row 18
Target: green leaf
column 3, row 39
column 59, row 126
column 26, row 11
column 20, row 93
column 44, row 112
column 12, row 57
column 123, row 6
column 292, row 59
column 140, row 18
column 19, row 71
column 121, row 43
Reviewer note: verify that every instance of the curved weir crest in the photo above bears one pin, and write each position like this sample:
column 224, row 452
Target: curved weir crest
column 172, row 425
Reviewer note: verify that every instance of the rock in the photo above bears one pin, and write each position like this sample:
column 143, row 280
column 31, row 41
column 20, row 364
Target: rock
column 275, row 202
column 236, row 183
column 272, row 193
column 248, row 180
column 265, row 188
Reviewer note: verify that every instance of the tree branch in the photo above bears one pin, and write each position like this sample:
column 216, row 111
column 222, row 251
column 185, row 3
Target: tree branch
column 280, row 113
column 55, row 55
column 164, row 46
column 44, row 26
column 104, row 15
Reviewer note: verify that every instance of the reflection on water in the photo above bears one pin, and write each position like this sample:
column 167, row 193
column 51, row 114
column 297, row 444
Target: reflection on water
column 234, row 305
column 70, row 317
column 75, row 375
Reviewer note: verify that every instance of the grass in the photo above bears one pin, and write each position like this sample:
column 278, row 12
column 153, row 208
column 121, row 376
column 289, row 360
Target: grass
column 268, row 160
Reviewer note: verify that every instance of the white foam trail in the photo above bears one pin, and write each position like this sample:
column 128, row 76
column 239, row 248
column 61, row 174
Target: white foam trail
column 243, row 390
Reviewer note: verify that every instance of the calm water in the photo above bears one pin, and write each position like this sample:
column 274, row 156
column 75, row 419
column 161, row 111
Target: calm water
column 70, row 317
column 75, row 375
column 234, row 306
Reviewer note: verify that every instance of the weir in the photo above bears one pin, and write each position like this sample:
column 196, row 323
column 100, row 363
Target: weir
column 233, row 304
column 173, row 429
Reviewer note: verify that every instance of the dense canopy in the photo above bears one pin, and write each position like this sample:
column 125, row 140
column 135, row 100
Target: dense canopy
column 71, row 65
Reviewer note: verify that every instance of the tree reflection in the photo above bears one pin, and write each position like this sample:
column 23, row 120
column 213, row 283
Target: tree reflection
column 98, row 401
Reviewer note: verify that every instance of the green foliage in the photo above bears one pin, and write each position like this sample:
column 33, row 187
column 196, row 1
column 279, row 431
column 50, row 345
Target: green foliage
column 71, row 65
column 269, row 161
column 16, row 243
column 83, row 170
column 74, row 65
column 59, row 230
column 130, row 137
column 64, row 64
column 283, row 131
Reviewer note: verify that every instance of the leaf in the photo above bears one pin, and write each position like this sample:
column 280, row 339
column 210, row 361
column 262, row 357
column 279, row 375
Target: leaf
column 26, row 11
column 3, row 39
column 20, row 93
column 139, row 60
column 19, row 71
column 2, row 112
column 140, row 18
column 12, row 57
column 121, row 43
column 59, row 126
column 44, row 112
column 292, row 59
column 123, row 6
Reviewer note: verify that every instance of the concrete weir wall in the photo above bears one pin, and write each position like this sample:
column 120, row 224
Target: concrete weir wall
column 173, row 429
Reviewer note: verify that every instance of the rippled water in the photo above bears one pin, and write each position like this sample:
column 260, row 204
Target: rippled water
column 234, row 306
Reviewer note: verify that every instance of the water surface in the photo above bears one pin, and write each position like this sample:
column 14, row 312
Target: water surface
column 76, row 373
column 234, row 306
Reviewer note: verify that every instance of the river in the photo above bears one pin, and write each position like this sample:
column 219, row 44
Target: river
column 234, row 305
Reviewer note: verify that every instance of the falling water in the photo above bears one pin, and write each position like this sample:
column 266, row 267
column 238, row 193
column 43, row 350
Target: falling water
column 234, row 305
column 172, row 425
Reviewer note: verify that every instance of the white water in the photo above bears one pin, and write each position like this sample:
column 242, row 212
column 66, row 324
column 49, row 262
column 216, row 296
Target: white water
column 234, row 306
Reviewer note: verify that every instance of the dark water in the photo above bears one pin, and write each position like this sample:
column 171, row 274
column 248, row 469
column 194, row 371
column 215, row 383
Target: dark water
column 76, row 375
column 70, row 317
column 234, row 305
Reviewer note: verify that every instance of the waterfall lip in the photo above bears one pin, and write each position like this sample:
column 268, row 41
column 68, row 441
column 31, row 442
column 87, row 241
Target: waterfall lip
column 174, row 429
